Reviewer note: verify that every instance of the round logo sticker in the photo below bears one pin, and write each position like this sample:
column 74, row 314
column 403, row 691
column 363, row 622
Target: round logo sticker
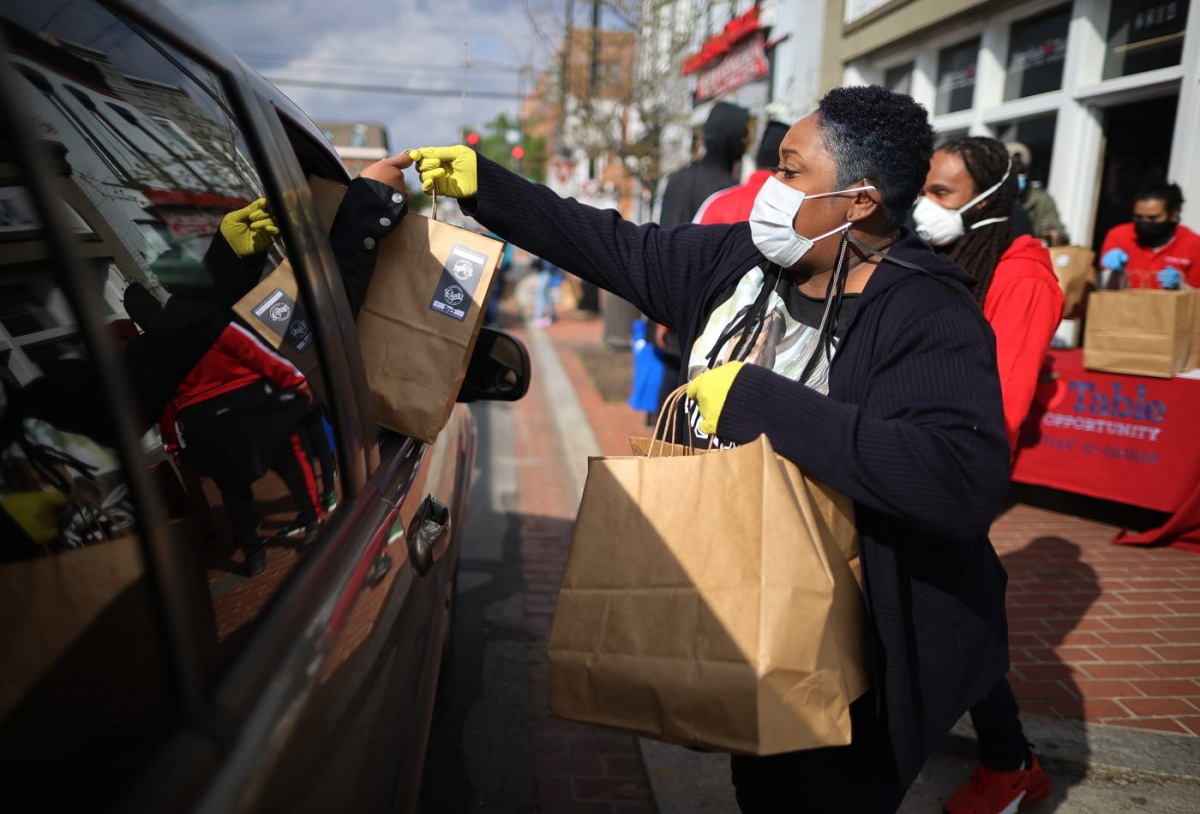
column 463, row 270
column 1062, row 261
column 454, row 295
column 298, row 329
column 281, row 312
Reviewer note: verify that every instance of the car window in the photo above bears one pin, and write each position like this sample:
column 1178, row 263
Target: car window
column 85, row 690
column 167, row 206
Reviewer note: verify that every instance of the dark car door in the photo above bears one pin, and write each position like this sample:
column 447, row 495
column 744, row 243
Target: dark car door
column 309, row 686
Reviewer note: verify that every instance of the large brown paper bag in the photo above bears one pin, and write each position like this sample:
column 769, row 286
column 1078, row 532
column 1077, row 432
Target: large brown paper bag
column 713, row 601
column 1073, row 268
column 1143, row 332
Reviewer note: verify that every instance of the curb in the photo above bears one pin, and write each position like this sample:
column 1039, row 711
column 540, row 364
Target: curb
column 1096, row 750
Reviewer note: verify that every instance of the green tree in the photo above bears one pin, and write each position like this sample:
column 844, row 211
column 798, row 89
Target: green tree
column 494, row 143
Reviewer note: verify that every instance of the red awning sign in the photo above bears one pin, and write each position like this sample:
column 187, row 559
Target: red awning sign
column 746, row 63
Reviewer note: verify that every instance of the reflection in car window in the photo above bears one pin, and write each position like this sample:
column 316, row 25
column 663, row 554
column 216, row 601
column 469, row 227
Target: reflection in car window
column 154, row 169
column 85, row 693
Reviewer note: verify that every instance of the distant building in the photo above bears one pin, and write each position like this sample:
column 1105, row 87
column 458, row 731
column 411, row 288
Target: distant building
column 358, row 144
column 1105, row 93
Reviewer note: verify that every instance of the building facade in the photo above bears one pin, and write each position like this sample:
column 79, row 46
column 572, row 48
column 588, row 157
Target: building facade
column 1103, row 92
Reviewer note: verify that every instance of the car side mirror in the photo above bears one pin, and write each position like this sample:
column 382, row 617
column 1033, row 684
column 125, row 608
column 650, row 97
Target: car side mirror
column 499, row 369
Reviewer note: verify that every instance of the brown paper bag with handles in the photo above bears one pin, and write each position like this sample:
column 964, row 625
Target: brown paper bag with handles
column 711, row 599
column 1140, row 331
column 420, row 318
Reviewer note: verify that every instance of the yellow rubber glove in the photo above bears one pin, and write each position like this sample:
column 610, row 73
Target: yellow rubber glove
column 709, row 390
column 35, row 512
column 453, row 170
column 250, row 230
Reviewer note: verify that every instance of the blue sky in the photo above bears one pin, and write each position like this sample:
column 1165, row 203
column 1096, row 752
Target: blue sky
column 398, row 43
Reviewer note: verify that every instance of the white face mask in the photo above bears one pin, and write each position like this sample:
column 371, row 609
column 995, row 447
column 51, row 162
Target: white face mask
column 772, row 219
column 941, row 226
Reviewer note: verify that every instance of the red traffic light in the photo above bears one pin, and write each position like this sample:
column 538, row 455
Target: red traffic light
column 518, row 152
column 473, row 138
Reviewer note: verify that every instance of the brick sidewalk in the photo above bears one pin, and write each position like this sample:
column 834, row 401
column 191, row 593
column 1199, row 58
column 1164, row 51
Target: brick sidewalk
column 1098, row 632
column 579, row 769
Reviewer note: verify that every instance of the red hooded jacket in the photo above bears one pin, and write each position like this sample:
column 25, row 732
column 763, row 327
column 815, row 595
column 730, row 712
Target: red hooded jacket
column 1024, row 306
column 236, row 359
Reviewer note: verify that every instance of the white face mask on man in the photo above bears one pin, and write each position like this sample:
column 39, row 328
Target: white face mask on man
column 941, row 226
column 773, row 217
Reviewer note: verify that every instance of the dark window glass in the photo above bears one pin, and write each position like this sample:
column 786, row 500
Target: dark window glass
column 1144, row 35
column 151, row 162
column 85, row 693
column 956, row 77
column 899, row 78
column 1037, row 49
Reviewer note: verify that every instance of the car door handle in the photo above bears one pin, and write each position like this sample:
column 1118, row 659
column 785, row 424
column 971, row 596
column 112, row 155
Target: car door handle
column 427, row 529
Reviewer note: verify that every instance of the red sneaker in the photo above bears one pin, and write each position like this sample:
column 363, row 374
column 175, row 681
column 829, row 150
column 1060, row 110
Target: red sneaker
column 992, row 792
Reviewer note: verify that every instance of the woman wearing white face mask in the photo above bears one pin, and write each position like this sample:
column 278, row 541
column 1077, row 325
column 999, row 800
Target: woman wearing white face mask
column 963, row 211
column 859, row 352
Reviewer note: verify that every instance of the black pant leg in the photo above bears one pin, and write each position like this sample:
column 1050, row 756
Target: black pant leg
column 1002, row 744
column 318, row 443
column 238, row 498
column 292, row 465
column 816, row 781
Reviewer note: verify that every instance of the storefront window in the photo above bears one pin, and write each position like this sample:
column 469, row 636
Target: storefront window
column 899, row 78
column 1037, row 50
column 956, row 77
column 1144, row 35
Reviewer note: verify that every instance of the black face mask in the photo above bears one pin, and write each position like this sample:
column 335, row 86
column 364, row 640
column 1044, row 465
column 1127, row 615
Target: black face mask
column 1154, row 233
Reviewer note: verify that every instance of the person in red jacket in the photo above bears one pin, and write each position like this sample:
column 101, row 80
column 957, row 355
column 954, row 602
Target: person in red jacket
column 238, row 414
column 964, row 210
column 733, row 205
column 1154, row 250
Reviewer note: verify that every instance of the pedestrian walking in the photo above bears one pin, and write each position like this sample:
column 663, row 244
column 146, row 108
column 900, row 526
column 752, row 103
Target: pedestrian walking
column 860, row 353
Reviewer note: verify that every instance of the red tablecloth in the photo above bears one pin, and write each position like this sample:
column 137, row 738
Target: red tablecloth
column 1130, row 439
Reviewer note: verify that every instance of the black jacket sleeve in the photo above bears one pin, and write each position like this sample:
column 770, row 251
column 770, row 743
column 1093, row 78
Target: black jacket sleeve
column 367, row 214
column 653, row 268
column 925, row 445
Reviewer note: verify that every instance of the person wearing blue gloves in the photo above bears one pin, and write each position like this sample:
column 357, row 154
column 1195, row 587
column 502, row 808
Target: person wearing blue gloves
column 859, row 351
column 1154, row 250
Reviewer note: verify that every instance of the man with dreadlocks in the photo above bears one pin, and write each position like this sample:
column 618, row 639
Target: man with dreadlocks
column 969, row 192
column 859, row 352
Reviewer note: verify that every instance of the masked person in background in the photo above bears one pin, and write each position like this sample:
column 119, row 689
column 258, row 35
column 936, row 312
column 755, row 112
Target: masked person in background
column 1034, row 200
column 970, row 190
column 1155, row 250
column 877, row 377
column 964, row 212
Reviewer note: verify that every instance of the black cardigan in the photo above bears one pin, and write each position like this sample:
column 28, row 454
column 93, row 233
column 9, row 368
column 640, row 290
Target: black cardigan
column 912, row 430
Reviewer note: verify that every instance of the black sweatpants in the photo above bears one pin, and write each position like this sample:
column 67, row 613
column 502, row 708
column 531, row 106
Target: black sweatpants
column 1002, row 744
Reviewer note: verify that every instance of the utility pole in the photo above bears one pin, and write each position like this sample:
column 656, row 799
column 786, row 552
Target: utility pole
column 564, row 73
column 594, row 74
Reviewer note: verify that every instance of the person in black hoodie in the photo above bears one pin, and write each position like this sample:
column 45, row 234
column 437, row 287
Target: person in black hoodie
column 863, row 357
column 726, row 134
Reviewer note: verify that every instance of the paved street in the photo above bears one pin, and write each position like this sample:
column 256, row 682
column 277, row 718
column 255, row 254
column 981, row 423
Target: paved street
column 1105, row 651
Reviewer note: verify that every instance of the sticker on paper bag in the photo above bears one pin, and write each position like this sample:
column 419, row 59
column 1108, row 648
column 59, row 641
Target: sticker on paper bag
column 456, row 287
column 279, row 312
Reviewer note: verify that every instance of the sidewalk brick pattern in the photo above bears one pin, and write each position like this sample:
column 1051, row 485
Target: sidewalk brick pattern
column 579, row 769
column 1098, row 632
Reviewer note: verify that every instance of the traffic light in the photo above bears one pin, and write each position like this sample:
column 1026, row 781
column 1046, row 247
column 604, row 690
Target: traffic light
column 473, row 139
column 518, row 152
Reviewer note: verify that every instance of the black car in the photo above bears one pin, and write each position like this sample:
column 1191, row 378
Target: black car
column 222, row 587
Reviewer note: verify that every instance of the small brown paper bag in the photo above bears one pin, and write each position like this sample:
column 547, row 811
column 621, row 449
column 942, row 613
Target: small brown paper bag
column 419, row 321
column 1073, row 268
column 711, row 600
column 1143, row 332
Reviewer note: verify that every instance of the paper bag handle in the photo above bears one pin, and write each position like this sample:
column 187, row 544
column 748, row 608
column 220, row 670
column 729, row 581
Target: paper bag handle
column 435, row 201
